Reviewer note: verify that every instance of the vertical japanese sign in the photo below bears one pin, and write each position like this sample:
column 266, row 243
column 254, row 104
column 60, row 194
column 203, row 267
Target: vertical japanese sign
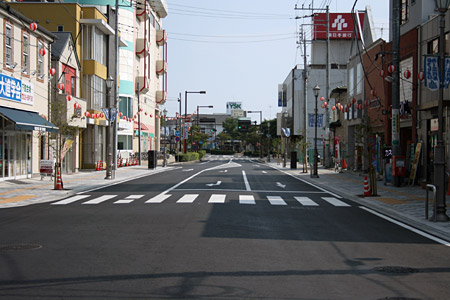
column 447, row 72
column 432, row 76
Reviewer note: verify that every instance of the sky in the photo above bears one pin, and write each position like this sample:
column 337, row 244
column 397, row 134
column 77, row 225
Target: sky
column 240, row 50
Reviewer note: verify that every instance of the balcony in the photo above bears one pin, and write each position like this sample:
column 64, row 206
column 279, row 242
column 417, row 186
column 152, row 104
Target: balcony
column 161, row 97
column 161, row 67
column 160, row 7
column 73, row 117
column 143, row 83
column 142, row 12
column 161, row 37
column 142, row 47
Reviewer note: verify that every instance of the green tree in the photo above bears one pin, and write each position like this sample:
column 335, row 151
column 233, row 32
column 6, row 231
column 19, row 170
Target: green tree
column 230, row 127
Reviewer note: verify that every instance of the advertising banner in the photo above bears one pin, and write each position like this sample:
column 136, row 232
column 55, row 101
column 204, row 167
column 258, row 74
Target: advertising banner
column 233, row 105
column 432, row 76
column 10, row 88
column 340, row 26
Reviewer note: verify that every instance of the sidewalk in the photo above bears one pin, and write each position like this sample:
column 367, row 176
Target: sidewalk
column 405, row 203
column 23, row 192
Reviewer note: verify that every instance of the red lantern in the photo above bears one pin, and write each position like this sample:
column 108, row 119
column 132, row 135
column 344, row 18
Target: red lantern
column 333, row 107
column 75, row 105
column 124, row 118
column 102, row 115
column 346, row 109
column 353, row 100
column 151, row 116
column 33, row 26
column 134, row 117
column 407, row 74
column 373, row 92
column 381, row 73
column 361, row 106
column 87, row 114
column 367, row 102
column 145, row 113
column 42, row 51
column 52, row 71
column 325, row 103
column 60, row 86
column 391, row 69
column 120, row 114
column 421, row 75
column 141, row 109
column 322, row 98
column 69, row 97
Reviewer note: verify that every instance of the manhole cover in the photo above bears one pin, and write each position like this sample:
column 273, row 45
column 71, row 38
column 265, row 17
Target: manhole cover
column 396, row 270
column 17, row 247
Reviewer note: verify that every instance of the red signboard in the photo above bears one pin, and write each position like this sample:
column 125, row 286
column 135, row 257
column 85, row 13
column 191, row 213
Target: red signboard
column 341, row 26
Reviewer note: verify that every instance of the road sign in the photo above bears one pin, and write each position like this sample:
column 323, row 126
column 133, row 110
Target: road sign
column 177, row 133
column 177, row 139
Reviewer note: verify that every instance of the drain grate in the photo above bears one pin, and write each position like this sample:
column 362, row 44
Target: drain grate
column 18, row 247
column 396, row 270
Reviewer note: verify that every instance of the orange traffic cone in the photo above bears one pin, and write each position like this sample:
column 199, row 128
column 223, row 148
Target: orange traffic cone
column 58, row 182
column 366, row 188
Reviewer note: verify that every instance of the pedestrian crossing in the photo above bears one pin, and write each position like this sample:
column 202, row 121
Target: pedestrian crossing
column 212, row 199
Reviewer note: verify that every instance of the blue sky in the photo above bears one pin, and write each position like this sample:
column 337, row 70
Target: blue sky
column 240, row 50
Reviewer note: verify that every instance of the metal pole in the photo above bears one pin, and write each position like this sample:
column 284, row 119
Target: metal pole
column 268, row 141
column 326, row 153
column 116, row 93
column 439, row 150
column 179, row 101
column 185, row 116
column 139, row 124
column 305, row 81
column 314, row 174
column 109, row 134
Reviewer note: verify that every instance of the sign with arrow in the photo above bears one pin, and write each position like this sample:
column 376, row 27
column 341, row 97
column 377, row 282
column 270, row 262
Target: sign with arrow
column 214, row 184
column 281, row 185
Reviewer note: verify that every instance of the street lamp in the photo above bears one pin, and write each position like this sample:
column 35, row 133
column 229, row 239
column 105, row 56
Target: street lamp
column 185, row 112
column 439, row 150
column 285, row 116
column 268, row 141
column 165, row 138
column 109, row 147
column 260, row 122
column 314, row 174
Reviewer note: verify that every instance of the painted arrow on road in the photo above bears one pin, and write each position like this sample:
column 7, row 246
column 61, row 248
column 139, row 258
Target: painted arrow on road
column 281, row 185
column 187, row 170
column 214, row 184
column 224, row 171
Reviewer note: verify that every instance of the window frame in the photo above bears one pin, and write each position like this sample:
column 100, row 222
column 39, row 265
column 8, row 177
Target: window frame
column 40, row 62
column 25, row 54
column 8, row 64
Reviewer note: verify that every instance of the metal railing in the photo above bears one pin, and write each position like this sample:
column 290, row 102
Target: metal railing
column 433, row 188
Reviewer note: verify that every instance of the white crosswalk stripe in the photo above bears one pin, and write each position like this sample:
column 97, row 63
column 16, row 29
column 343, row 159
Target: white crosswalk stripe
column 129, row 199
column 70, row 200
column 246, row 199
column 217, row 198
column 335, row 201
column 188, row 198
column 276, row 200
column 100, row 199
column 306, row 201
column 191, row 198
column 158, row 199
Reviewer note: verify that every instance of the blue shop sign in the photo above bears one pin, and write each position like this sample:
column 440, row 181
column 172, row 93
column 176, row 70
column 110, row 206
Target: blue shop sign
column 10, row 88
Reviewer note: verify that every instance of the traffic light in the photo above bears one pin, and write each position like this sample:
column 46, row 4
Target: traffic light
column 244, row 125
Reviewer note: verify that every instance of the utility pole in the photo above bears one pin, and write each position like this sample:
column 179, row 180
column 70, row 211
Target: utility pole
column 395, row 130
column 327, row 83
column 305, row 81
column 139, row 123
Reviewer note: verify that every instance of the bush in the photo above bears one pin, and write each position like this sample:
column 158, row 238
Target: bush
column 201, row 153
column 189, row 156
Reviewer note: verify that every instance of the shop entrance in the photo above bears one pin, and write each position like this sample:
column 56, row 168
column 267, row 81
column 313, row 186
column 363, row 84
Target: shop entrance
column 15, row 155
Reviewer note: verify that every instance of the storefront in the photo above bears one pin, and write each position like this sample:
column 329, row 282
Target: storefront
column 16, row 141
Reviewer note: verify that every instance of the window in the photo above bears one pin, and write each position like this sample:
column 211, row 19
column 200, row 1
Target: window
column 8, row 46
column 98, row 46
column 40, row 61
column 405, row 12
column 126, row 106
column 26, row 53
column 60, row 28
column 433, row 46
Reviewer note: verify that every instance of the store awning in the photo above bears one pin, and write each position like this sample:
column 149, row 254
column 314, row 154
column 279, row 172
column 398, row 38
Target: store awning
column 27, row 120
column 143, row 126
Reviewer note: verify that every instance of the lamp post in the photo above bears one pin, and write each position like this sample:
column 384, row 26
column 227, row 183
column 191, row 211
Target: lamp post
column 268, row 141
column 260, row 122
column 285, row 116
column 109, row 135
column 165, row 137
column 185, row 112
column 439, row 150
column 314, row 174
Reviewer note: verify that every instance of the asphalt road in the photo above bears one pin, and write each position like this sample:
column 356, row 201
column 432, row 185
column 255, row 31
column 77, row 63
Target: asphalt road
column 229, row 229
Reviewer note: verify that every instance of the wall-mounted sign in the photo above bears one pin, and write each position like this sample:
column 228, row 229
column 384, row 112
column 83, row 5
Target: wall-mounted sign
column 233, row 105
column 340, row 25
column 16, row 90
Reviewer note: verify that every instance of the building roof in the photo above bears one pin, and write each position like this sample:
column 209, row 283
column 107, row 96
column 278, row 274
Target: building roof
column 58, row 46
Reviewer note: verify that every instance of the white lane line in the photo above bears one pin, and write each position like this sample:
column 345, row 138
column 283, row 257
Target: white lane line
column 424, row 234
column 246, row 199
column 247, row 185
column 128, row 199
column 276, row 200
column 217, row 198
column 158, row 198
column 264, row 172
column 70, row 200
column 335, row 202
column 100, row 199
column 188, row 198
column 306, row 201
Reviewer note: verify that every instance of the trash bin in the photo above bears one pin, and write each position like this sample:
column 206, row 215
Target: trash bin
column 152, row 159
column 294, row 160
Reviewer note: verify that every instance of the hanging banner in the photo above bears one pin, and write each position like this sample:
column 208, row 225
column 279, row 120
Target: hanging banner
column 67, row 146
column 431, row 68
column 447, row 72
